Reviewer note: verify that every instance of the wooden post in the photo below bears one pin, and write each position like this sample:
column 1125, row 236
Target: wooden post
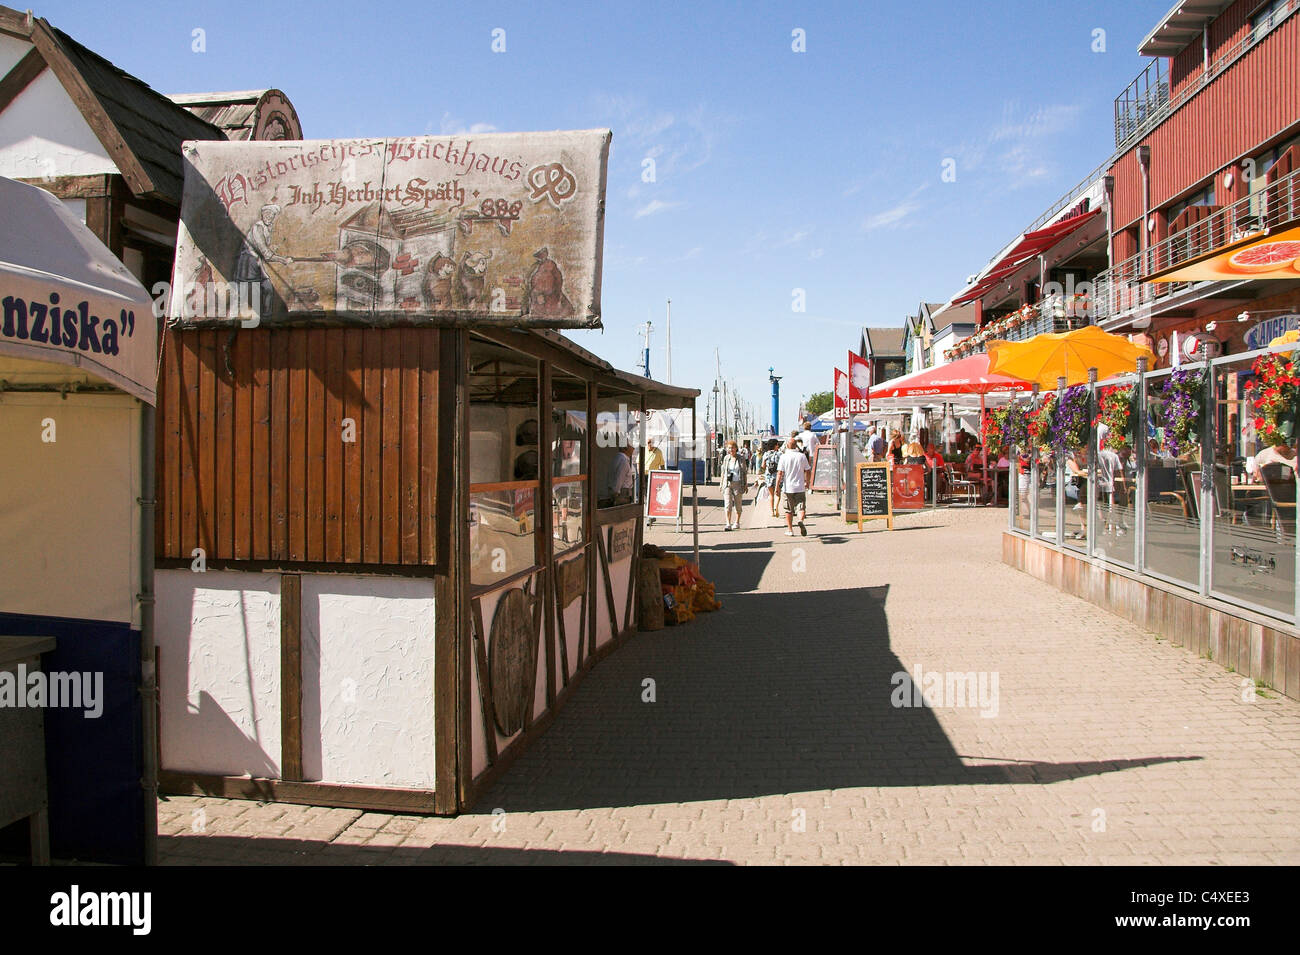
column 545, row 438
column 451, row 509
column 695, row 492
column 291, row 677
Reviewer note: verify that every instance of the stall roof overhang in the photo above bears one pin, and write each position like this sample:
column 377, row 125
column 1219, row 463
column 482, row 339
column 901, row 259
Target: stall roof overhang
column 1031, row 244
column 50, row 261
column 541, row 342
column 1180, row 26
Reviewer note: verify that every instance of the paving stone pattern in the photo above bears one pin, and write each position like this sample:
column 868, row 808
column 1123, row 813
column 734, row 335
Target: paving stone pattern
column 773, row 737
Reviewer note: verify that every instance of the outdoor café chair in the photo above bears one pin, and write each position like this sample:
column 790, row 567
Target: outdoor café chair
column 967, row 487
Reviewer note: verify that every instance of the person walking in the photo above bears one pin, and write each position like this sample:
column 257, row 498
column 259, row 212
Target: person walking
column 735, row 480
column 771, row 465
column 792, row 476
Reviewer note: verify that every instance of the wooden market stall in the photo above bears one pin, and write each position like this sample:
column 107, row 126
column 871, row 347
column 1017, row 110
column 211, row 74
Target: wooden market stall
column 393, row 534
column 387, row 621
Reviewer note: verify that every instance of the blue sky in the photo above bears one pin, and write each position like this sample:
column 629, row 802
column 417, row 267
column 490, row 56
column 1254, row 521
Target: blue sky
column 775, row 170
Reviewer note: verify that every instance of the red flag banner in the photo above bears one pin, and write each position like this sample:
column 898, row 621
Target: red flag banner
column 859, row 385
column 841, row 395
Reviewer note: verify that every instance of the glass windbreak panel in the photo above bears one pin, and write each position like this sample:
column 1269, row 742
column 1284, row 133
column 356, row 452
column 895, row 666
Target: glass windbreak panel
column 1114, row 471
column 568, row 510
column 501, row 524
column 1018, row 480
column 1046, row 493
column 1075, row 491
column 618, row 428
column 1254, row 485
column 1173, row 522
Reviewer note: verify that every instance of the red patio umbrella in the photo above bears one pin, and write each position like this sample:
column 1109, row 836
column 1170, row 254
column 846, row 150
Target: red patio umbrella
column 966, row 376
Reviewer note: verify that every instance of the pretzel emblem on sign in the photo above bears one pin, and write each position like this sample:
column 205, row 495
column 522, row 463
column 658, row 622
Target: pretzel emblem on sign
column 552, row 181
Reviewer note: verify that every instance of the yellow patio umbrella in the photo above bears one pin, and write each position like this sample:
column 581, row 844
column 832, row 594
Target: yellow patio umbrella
column 1047, row 357
column 1289, row 338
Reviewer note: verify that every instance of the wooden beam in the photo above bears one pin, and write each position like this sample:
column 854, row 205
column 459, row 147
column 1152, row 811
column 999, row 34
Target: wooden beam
column 545, row 511
column 536, row 347
column 291, row 677
column 447, row 530
column 96, row 117
column 74, row 187
column 484, row 682
column 342, row 796
column 589, row 529
column 457, row 372
column 20, row 77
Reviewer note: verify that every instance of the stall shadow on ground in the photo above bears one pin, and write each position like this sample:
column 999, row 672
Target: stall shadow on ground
column 771, row 695
column 262, row 851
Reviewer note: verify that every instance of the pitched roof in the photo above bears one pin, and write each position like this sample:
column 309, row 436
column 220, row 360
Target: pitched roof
column 141, row 129
column 885, row 342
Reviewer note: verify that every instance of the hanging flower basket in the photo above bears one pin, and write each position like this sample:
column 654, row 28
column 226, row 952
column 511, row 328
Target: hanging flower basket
column 1183, row 401
column 1117, row 411
column 1038, row 420
column 1014, row 422
column 1067, row 421
column 1276, row 394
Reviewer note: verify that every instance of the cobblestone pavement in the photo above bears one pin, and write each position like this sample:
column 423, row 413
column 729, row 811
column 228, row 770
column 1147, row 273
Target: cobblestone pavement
column 772, row 738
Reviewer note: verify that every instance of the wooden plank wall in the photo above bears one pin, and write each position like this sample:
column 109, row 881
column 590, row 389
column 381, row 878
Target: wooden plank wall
column 253, row 464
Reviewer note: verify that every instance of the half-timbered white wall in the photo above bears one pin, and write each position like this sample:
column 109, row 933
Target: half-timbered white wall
column 42, row 133
column 367, row 676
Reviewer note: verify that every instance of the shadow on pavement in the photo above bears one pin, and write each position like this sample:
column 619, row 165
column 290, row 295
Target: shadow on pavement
column 775, row 693
column 238, row 850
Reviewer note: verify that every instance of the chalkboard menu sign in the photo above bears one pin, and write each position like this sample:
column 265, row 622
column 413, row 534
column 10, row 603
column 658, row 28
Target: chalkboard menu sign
column 874, row 500
column 826, row 469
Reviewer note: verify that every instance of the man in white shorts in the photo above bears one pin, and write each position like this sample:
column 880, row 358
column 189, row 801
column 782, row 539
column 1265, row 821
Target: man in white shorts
column 792, row 477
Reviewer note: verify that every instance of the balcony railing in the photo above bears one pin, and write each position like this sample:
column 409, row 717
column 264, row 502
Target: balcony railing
column 1122, row 289
column 1147, row 101
column 1053, row 314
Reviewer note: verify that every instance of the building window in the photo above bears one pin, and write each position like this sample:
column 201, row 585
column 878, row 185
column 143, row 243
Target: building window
column 1268, row 16
column 1203, row 198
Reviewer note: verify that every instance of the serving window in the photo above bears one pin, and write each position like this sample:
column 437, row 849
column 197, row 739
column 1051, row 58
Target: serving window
column 505, row 463
column 617, row 454
column 568, row 462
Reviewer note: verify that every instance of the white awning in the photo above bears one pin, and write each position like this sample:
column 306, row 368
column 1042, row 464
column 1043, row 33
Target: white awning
column 66, row 299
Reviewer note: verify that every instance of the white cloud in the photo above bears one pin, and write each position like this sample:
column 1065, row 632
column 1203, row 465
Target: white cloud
column 795, row 237
column 891, row 216
column 452, row 126
column 816, row 253
column 655, row 206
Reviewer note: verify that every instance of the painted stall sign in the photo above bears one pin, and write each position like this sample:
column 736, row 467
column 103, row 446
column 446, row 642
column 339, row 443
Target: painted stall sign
column 622, row 537
column 503, row 227
column 1260, row 335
